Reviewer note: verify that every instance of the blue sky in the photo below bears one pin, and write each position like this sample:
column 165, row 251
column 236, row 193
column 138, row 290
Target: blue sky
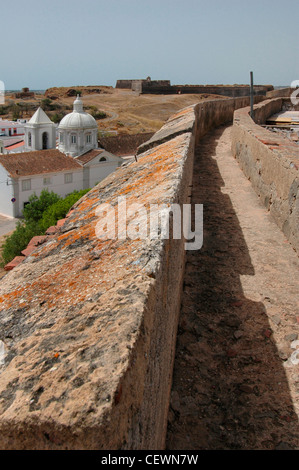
column 95, row 42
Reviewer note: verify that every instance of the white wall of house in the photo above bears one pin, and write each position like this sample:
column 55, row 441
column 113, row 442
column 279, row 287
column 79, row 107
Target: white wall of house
column 98, row 170
column 56, row 182
column 61, row 183
column 7, row 193
column 11, row 128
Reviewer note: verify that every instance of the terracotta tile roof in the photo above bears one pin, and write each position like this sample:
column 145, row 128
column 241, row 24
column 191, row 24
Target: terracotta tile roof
column 88, row 156
column 15, row 146
column 15, row 262
column 37, row 162
column 12, row 141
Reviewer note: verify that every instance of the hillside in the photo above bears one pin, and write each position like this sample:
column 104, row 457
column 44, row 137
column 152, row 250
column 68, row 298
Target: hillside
column 127, row 111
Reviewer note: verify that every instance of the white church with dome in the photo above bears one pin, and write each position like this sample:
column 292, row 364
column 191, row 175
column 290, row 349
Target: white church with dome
column 73, row 162
column 77, row 131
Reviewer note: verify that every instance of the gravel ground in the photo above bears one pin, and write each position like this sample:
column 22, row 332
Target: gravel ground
column 235, row 382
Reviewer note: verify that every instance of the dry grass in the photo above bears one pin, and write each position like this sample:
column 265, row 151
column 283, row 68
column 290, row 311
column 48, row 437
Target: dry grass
column 128, row 112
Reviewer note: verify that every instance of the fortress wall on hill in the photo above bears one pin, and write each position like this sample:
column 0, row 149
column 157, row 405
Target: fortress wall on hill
column 164, row 87
column 89, row 325
column 224, row 90
column 271, row 162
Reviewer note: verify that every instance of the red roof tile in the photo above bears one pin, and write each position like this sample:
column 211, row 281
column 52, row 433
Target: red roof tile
column 88, row 156
column 37, row 240
column 60, row 222
column 51, row 230
column 37, row 162
column 28, row 250
column 17, row 260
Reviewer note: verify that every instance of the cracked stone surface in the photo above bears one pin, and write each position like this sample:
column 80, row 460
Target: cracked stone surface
column 79, row 322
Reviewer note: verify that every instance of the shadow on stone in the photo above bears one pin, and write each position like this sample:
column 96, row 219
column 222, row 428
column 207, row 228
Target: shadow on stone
column 229, row 386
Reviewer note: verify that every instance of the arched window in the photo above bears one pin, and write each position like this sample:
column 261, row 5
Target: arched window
column 88, row 138
column 73, row 138
column 45, row 140
column 103, row 159
column 29, row 139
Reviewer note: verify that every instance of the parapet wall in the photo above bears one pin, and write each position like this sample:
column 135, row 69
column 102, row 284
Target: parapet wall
column 164, row 87
column 271, row 162
column 89, row 324
column 223, row 90
column 279, row 93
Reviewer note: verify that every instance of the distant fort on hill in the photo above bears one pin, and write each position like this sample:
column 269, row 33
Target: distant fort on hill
column 149, row 86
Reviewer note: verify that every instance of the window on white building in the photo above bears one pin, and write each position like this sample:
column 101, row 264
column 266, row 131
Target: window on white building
column 73, row 139
column 68, row 177
column 103, row 159
column 29, row 139
column 47, row 180
column 88, row 138
column 26, row 185
column 61, row 138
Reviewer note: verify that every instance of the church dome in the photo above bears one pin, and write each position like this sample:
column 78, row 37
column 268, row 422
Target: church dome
column 78, row 119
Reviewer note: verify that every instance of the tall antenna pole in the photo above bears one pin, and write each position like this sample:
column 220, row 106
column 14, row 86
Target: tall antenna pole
column 251, row 95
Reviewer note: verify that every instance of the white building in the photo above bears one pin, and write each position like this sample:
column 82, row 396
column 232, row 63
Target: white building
column 77, row 131
column 12, row 128
column 76, row 164
column 40, row 132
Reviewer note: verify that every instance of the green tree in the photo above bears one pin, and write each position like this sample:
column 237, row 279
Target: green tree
column 56, row 117
column 16, row 111
column 39, row 215
column 37, row 205
column 97, row 114
column 46, row 104
column 19, row 240
column 59, row 209
column 4, row 110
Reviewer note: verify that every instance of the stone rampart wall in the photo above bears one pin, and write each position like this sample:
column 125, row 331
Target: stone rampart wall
column 280, row 93
column 164, row 87
column 125, row 84
column 223, row 90
column 89, row 324
column 271, row 162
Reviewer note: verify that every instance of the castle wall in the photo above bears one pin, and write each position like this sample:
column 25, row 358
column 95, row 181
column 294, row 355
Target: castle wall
column 279, row 93
column 164, row 87
column 231, row 90
column 89, row 324
column 271, row 162
column 125, row 84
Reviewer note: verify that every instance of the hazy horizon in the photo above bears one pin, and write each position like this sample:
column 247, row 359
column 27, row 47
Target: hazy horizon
column 58, row 43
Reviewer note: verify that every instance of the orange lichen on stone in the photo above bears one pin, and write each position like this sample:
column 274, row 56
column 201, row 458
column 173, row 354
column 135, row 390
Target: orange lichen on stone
column 183, row 112
column 75, row 309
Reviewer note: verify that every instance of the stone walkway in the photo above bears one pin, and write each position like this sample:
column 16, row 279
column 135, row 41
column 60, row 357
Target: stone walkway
column 235, row 383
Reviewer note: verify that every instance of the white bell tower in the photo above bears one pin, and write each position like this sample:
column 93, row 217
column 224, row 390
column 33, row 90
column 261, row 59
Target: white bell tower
column 40, row 132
